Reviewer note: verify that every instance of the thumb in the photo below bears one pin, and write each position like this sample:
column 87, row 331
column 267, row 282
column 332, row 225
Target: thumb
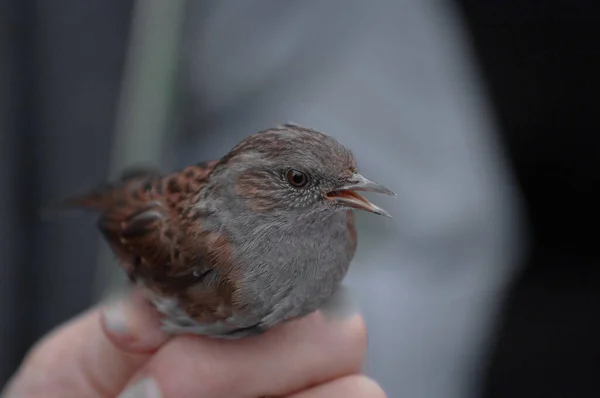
column 94, row 355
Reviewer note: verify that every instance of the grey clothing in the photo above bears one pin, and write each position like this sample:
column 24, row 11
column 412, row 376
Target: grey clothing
column 394, row 81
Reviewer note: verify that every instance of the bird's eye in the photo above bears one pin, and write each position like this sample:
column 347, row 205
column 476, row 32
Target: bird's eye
column 296, row 178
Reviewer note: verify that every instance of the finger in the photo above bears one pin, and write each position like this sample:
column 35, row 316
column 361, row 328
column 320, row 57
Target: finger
column 284, row 360
column 84, row 359
column 133, row 324
column 346, row 387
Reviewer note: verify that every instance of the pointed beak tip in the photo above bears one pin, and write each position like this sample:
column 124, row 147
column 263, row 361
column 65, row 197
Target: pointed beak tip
column 378, row 210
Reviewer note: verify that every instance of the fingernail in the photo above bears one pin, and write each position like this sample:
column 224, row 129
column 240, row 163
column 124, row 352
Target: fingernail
column 340, row 305
column 145, row 388
column 115, row 318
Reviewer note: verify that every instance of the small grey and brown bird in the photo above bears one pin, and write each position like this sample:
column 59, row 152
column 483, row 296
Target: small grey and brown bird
column 233, row 247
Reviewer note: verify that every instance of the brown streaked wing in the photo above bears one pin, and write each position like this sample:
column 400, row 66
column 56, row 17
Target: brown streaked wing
column 146, row 230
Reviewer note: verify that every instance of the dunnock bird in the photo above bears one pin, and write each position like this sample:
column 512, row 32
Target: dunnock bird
column 233, row 247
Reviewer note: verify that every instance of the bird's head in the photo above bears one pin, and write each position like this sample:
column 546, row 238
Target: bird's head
column 291, row 169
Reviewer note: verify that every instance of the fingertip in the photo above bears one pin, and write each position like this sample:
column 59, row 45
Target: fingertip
column 350, row 332
column 352, row 338
column 357, row 333
column 132, row 324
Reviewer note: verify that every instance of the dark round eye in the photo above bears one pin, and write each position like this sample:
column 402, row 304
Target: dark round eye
column 297, row 178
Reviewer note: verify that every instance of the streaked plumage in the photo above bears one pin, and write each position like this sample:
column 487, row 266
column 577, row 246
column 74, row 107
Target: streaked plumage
column 234, row 246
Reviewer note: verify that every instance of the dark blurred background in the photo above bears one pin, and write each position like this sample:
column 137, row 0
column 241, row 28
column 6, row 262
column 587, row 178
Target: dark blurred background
column 87, row 88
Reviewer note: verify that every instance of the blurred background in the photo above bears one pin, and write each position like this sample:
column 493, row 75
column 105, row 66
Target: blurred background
column 481, row 115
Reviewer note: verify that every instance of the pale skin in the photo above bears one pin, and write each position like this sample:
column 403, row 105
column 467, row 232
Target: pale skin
column 112, row 348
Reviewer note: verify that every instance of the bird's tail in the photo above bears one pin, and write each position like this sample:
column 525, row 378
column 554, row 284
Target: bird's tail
column 98, row 199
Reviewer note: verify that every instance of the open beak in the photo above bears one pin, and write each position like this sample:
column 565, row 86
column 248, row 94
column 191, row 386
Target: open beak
column 347, row 194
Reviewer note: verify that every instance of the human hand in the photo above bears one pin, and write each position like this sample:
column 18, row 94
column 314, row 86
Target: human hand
column 120, row 349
